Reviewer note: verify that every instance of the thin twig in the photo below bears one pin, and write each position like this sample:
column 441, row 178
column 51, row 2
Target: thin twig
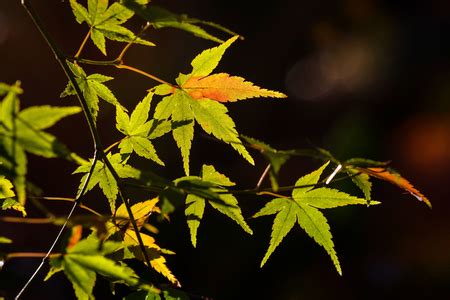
column 122, row 66
column 69, row 200
column 27, row 220
column 29, row 255
column 110, row 147
column 130, row 43
column 83, row 43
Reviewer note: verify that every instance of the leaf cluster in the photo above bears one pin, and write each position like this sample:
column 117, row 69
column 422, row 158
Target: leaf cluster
column 110, row 245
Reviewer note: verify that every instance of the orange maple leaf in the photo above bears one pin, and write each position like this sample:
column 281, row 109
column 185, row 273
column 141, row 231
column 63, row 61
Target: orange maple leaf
column 224, row 88
column 396, row 179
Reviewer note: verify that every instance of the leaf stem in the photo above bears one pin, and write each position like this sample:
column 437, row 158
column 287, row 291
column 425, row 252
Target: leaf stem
column 30, row 255
column 26, row 220
column 120, row 65
column 123, row 66
column 272, row 194
column 83, row 43
column 69, row 200
column 130, row 43
column 110, row 147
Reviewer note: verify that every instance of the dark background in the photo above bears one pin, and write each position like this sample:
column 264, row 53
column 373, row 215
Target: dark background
column 365, row 78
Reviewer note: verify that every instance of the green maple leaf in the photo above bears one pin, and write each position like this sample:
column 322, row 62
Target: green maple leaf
column 195, row 204
column 106, row 22
column 92, row 88
column 198, row 97
column 85, row 260
column 177, row 107
column 303, row 209
column 23, row 131
column 160, row 18
column 105, row 179
column 139, row 131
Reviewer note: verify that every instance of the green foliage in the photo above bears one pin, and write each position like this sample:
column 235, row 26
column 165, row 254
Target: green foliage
column 302, row 208
column 160, row 18
column 139, row 131
column 102, row 176
column 22, row 131
column 86, row 259
column 125, row 236
column 227, row 204
column 92, row 87
column 212, row 116
column 105, row 22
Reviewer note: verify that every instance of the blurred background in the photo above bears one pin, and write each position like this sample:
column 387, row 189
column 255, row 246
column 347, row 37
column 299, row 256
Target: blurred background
column 365, row 78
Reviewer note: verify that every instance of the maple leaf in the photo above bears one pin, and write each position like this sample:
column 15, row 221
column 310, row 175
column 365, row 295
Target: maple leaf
column 303, row 208
column 141, row 211
column 396, row 179
column 139, row 131
column 102, row 176
column 92, row 88
column 105, row 22
column 85, row 260
column 195, row 204
column 23, row 131
column 225, row 88
column 7, row 195
column 198, row 97
column 160, row 18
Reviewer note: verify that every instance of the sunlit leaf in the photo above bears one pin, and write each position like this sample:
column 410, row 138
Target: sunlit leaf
column 22, row 131
column 225, row 88
column 92, row 88
column 105, row 22
column 86, row 259
column 160, row 18
column 396, row 179
column 228, row 204
column 105, row 179
column 302, row 208
column 139, row 131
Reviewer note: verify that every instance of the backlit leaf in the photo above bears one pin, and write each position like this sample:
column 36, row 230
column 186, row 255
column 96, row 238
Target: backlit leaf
column 225, row 88
column 282, row 224
column 85, row 260
column 92, row 88
column 21, row 131
column 104, row 178
column 195, row 207
column 6, row 188
column 204, row 63
column 315, row 225
column 161, row 18
column 302, row 208
column 105, row 22
column 227, row 204
column 43, row 117
column 362, row 181
column 396, row 179
column 213, row 118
